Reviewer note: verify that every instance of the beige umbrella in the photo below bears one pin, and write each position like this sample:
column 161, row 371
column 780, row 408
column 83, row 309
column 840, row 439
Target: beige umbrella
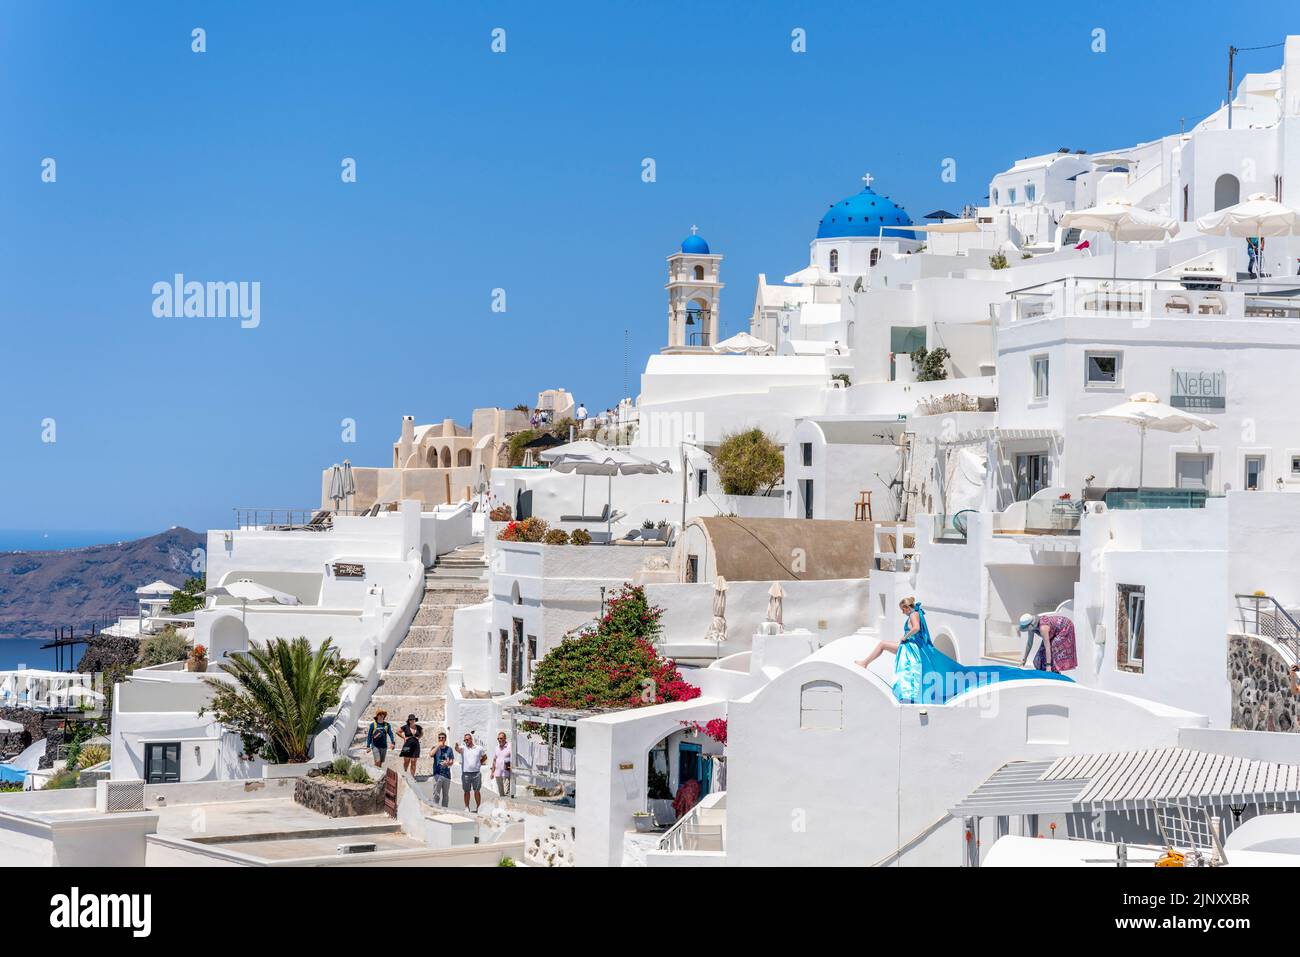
column 1147, row 412
column 1260, row 215
column 1122, row 222
column 718, row 626
column 775, row 606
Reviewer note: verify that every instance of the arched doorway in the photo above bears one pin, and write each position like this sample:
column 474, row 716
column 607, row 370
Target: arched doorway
column 446, row 457
column 462, row 458
column 1227, row 191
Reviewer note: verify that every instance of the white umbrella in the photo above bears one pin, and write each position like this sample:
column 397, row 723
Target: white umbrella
column 745, row 344
column 1147, row 412
column 1260, row 215
column 250, row 592
column 1123, row 222
column 30, row 759
column 10, row 727
column 775, row 606
column 813, row 275
column 718, row 626
column 590, row 458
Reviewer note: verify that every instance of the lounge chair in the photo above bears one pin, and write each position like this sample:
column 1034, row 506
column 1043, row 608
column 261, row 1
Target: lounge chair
column 592, row 519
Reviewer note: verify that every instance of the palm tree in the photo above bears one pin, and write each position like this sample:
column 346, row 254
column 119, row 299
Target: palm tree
column 281, row 691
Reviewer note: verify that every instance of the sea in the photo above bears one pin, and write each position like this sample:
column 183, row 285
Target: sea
column 26, row 652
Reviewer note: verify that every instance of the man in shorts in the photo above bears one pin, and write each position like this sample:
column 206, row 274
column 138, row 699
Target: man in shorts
column 379, row 736
column 472, row 759
column 443, row 759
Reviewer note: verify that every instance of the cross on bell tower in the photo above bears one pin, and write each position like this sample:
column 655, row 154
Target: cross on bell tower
column 693, row 294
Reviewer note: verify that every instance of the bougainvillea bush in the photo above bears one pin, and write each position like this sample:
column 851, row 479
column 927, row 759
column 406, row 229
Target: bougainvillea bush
column 525, row 530
column 613, row 665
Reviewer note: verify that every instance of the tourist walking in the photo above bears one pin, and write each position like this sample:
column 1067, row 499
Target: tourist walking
column 411, row 733
column 443, row 758
column 472, row 759
column 581, row 416
column 502, row 765
column 379, row 736
column 1255, row 250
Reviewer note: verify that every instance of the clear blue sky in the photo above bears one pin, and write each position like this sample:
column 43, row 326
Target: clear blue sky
column 475, row 170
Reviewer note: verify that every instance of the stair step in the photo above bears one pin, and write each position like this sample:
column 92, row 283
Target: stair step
column 425, row 683
column 426, row 637
column 420, row 658
column 436, row 615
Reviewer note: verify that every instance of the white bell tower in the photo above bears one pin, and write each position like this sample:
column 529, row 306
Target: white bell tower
column 693, row 294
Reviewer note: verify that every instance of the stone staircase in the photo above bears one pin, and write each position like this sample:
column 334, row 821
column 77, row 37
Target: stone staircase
column 415, row 681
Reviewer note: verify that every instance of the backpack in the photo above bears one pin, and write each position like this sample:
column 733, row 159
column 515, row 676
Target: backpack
column 379, row 737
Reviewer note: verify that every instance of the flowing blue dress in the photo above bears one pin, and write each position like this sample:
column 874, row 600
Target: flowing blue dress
column 925, row 675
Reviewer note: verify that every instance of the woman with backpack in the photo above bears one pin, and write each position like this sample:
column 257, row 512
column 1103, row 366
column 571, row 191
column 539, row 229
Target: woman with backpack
column 379, row 736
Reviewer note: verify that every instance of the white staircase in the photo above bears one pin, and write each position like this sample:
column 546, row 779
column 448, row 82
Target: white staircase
column 415, row 681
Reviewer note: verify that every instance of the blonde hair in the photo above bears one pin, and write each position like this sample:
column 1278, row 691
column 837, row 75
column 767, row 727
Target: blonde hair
column 908, row 602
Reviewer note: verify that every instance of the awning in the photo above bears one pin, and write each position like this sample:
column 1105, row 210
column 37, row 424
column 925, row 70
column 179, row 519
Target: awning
column 1129, row 781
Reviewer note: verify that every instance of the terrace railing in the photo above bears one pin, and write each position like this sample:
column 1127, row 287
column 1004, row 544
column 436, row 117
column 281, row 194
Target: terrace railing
column 1264, row 615
column 1192, row 295
column 699, row 829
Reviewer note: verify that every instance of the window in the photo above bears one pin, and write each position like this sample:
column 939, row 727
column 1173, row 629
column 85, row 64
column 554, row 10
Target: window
column 1030, row 192
column 692, row 568
column 995, row 197
column 806, row 448
column 821, row 706
column 162, row 763
column 702, row 481
column 1011, row 196
column 699, row 272
column 1295, row 466
column 875, row 256
column 1039, row 366
column 503, row 653
column 835, row 260
column 1130, row 627
column 1102, row 369
column 532, row 647
column 1254, row 472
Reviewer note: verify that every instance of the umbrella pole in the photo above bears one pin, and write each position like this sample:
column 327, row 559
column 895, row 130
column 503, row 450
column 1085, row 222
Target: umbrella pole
column 609, row 512
column 1142, row 455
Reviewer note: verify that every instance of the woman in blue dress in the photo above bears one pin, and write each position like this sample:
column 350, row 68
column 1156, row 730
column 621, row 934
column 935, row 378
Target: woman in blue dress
column 925, row 675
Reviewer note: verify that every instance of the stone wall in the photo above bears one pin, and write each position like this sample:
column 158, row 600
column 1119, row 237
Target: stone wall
column 105, row 653
column 338, row 798
column 1262, row 699
column 35, row 726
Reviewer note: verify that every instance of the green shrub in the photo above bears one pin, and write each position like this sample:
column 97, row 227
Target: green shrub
column 160, row 649
column 92, row 754
column 999, row 261
column 188, row 598
column 929, row 364
column 580, row 536
column 749, row 463
column 556, row 536
column 341, row 766
column 506, row 862
column 357, row 774
column 62, row 780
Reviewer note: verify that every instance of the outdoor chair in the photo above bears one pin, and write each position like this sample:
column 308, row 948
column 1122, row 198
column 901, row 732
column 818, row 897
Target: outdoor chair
column 603, row 516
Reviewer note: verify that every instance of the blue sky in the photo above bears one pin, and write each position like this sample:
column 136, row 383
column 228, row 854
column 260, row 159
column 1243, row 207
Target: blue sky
column 475, row 171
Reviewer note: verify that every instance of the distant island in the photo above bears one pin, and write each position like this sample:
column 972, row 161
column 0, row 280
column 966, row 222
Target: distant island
column 43, row 590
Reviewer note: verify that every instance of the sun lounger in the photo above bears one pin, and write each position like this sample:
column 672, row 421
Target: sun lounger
column 594, row 519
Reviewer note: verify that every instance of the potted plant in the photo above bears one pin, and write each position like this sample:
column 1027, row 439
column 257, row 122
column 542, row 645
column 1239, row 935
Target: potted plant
column 643, row 820
column 198, row 659
column 663, row 529
column 648, row 531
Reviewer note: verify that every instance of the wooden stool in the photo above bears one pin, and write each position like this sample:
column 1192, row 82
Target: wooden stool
column 862, row 508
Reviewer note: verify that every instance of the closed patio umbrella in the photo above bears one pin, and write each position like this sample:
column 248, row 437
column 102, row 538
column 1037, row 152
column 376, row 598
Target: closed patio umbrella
column 1122, row 222
column 1147, row 412
column 336, row 486
column 775, row 604
column 247, row 591
column 1260, row 215
column 717, row 632
column 348, row 484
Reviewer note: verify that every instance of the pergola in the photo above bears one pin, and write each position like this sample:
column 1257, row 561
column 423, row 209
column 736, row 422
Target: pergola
column 553, row 765
column 1128, row 782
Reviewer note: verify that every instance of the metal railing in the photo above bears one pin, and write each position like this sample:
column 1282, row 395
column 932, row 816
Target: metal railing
column 1191, row 295
column 689, row 834
column 286, row 518
column 1264, row 615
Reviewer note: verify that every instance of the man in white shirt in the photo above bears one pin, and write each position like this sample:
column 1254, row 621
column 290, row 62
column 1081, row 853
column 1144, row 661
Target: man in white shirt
column 580, row 416
column 501, row 765
column 472, row 759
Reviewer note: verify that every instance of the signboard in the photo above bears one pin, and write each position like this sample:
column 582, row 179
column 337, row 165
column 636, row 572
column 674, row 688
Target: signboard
column 349, row 570
column 1198, row 390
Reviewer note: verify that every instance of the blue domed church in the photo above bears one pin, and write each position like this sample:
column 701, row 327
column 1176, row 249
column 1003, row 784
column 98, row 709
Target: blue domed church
column 855, row 232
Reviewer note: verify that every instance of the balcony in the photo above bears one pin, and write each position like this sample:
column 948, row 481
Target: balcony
column 1191, row 297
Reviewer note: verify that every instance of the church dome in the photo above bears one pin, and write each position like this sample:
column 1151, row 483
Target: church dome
column 695, row 246
column 864, row 215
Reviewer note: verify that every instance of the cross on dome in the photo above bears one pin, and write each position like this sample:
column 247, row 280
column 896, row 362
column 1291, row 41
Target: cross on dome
column 695, row 230
column 868, row 178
